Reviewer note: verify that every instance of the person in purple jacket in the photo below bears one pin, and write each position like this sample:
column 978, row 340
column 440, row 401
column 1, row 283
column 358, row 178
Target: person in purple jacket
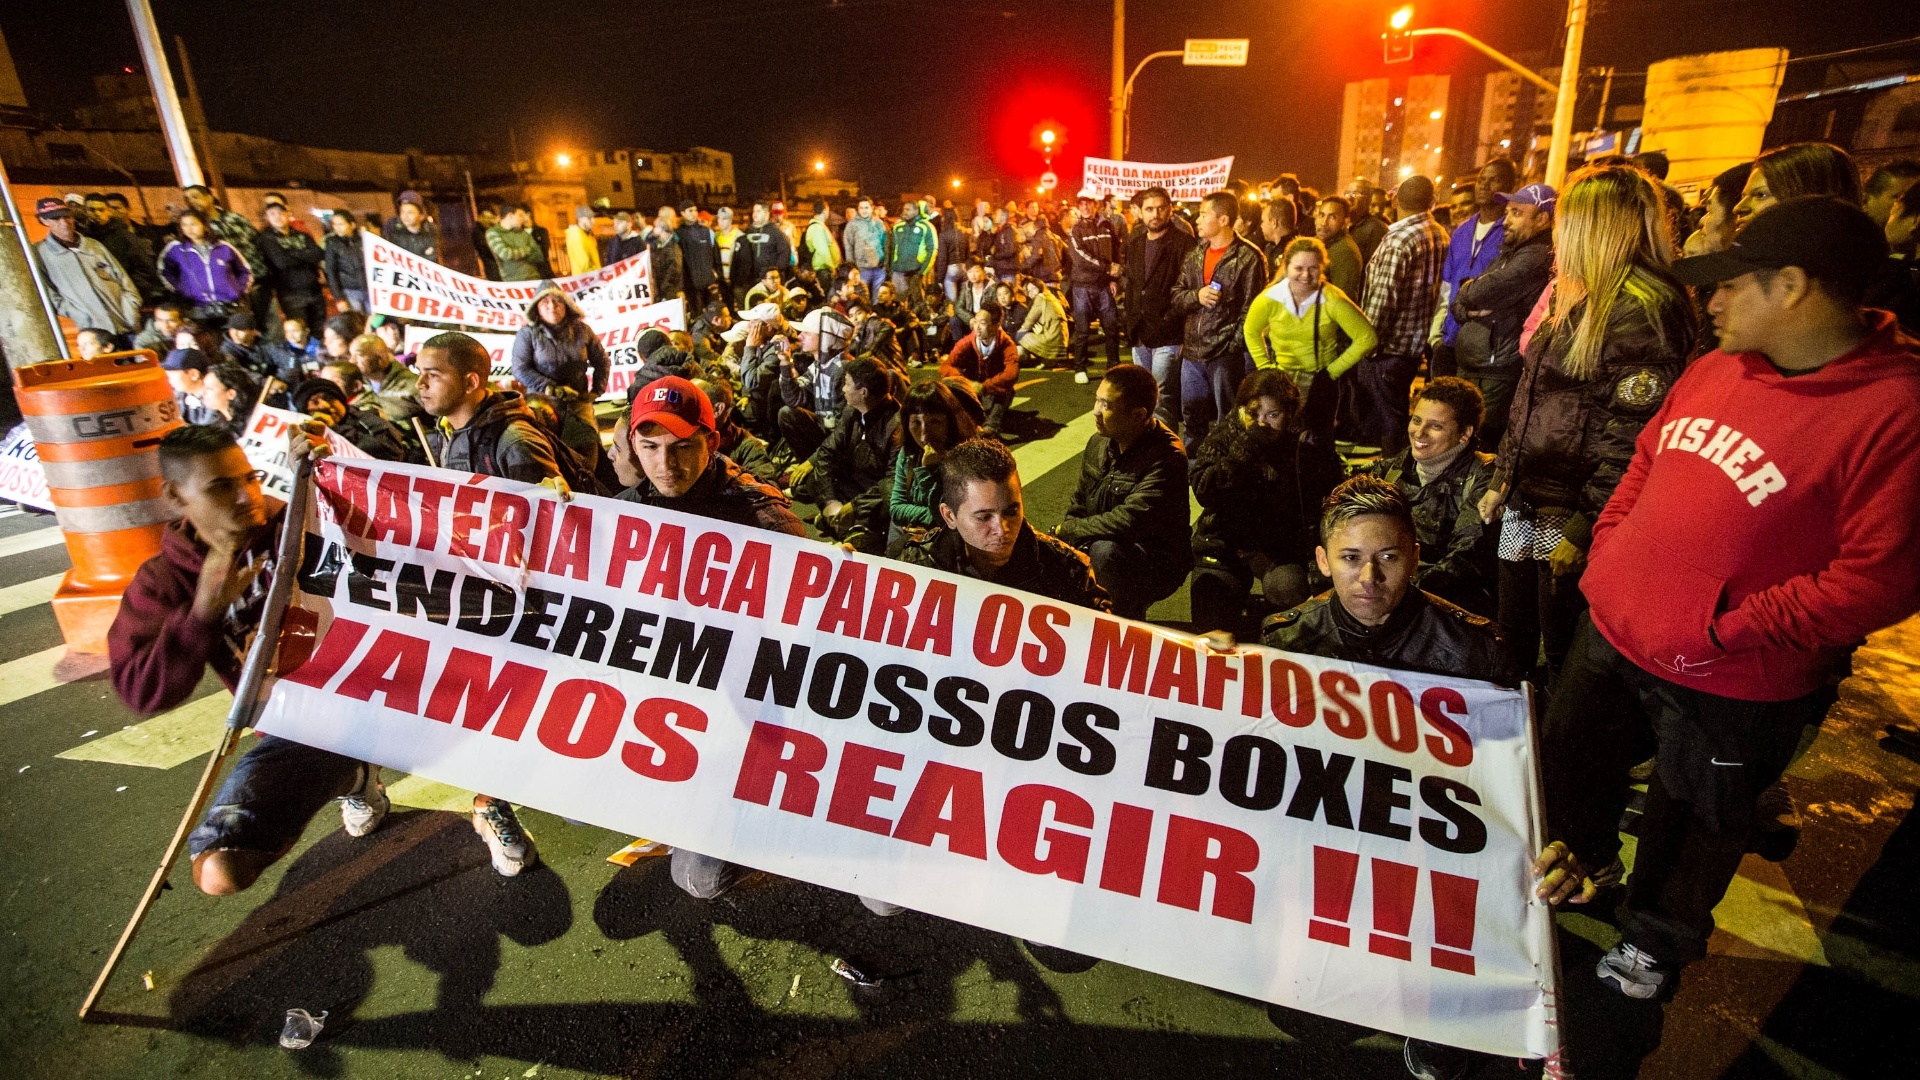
column 1475, row 244
column 206, row 270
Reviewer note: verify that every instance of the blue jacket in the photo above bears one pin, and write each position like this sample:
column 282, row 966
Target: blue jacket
column 1464, row 261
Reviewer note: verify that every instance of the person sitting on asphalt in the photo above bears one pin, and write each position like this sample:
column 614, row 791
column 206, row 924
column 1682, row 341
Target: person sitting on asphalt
column 1043, row 332
column 192, row 607
column 296, row 356
column 1442, row 478
column 986, row 535
column 810, row 384
column 669, row 443
column 1259, row 480
column 1129, row 512
column 558, row 353
column 989, row 362
column 243, row 347
column 365, row 428
column 849, row 476
column 742, row 447
column 1374, row 614
column 391, row 385
column 933, row 420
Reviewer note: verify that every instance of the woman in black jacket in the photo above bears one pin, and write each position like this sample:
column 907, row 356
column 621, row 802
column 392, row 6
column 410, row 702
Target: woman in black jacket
column 1259, row 483
column 346, row 263
column 1618, row 333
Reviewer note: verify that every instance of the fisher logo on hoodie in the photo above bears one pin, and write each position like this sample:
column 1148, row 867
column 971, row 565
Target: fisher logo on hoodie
column 1727, row 448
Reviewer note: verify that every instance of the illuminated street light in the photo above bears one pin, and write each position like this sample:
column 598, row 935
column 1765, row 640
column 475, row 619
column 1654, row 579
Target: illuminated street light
column 1047, row 136
column 563, row 160
column 956, row 183
column 1401, row 18
column 819, row 166
column 1434, row 115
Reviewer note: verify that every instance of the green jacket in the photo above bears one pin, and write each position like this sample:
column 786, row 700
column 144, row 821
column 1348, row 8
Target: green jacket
column 517, row 251
column 914, row 245
column 916, row 490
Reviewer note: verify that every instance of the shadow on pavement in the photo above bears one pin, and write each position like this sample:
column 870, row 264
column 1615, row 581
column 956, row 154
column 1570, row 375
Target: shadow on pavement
column 421, row 883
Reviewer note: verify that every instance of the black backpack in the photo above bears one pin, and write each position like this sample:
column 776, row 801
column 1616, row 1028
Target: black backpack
column 574, row 466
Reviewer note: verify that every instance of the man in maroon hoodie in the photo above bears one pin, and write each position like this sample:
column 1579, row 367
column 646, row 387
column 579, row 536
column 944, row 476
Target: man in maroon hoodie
column 989, row 361
column 1766, row 526
column 194, row 606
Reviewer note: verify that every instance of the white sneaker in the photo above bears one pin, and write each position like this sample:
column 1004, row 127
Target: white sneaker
column 1632, row 972
column 362, row 811
column 1080, row 377
column 507, row 842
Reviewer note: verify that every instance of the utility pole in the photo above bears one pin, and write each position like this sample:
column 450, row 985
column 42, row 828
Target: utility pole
column 1117, row 102
column 1562, row 145
column 29, row 331
column 173, row 123
column 200, row 123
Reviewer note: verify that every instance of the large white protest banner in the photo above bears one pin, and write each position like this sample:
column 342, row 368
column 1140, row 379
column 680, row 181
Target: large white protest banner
column 22, row 480
column 405, row 286
column 1333, row 837
column 1186, row 182
column 618, row 326
column 264, row 441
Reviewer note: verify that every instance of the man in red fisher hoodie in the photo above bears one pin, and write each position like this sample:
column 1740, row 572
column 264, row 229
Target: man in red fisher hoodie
column 1766, row 526
column 194, row 606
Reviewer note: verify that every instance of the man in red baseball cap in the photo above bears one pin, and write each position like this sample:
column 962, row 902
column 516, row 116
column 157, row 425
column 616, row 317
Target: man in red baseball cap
column 669, row 441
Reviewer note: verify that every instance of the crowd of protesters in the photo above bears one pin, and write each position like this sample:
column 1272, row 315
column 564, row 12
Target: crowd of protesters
column 1654, row 458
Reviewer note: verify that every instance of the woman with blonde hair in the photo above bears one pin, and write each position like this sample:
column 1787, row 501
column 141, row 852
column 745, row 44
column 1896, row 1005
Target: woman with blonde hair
column 1618, row 332
column 1296, row 325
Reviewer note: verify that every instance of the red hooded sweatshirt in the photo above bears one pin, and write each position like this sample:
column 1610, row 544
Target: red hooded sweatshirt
column 1768, row 522
column 158, row 649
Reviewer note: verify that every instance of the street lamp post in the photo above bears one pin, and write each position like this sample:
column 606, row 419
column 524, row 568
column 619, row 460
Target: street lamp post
column 1565, row 95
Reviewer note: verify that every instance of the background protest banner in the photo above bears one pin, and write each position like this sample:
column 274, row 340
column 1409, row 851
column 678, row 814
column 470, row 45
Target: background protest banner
column 406, row 286
column 1186, row 182
column 22, row 480
column 265, row 443
column 619, row 327
column 1343, row 839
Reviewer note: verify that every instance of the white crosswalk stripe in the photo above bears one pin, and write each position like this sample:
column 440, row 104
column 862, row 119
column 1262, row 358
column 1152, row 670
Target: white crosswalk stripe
column 21, row 543
column 28, row 594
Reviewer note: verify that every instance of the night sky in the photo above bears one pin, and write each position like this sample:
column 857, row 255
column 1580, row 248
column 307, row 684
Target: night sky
column 895, row 94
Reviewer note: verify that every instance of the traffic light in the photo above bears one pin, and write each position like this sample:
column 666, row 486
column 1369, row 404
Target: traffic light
column 1398, row 39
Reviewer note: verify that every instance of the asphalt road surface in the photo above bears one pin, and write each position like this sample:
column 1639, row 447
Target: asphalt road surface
column 430, row 965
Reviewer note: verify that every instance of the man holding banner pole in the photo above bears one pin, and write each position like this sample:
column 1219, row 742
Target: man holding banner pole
column 191, row 607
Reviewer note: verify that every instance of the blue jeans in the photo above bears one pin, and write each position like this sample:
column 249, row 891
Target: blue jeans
column 270, row 795
column 1164, row 362
column 703, row 877
column 956, row 273
column 873, row 278
column 1090, row 302
column 1206, row 394
column 356, row 299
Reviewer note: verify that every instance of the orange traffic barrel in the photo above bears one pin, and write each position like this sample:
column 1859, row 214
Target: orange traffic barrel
column 97, row 425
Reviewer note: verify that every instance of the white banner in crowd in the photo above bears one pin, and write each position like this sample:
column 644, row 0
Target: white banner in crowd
column 22, row 480
column 1343, row 839
column 265, row 443
column 618, row 326
column 1186, row 182
column 406, row 286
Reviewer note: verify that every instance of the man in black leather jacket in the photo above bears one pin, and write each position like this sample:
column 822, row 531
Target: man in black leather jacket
column 1374, row 615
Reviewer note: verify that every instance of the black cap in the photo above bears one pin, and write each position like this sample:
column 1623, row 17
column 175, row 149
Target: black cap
column 1831, row 239
column 241, row 320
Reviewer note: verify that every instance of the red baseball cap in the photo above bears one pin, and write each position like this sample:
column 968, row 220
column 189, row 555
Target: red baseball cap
column 674, row 404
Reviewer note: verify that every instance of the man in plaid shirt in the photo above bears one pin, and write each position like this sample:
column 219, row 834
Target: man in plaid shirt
column 1403, row 285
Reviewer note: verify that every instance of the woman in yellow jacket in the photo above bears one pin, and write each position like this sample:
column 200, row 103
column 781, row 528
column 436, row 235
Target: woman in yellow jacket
column 1296, row 326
